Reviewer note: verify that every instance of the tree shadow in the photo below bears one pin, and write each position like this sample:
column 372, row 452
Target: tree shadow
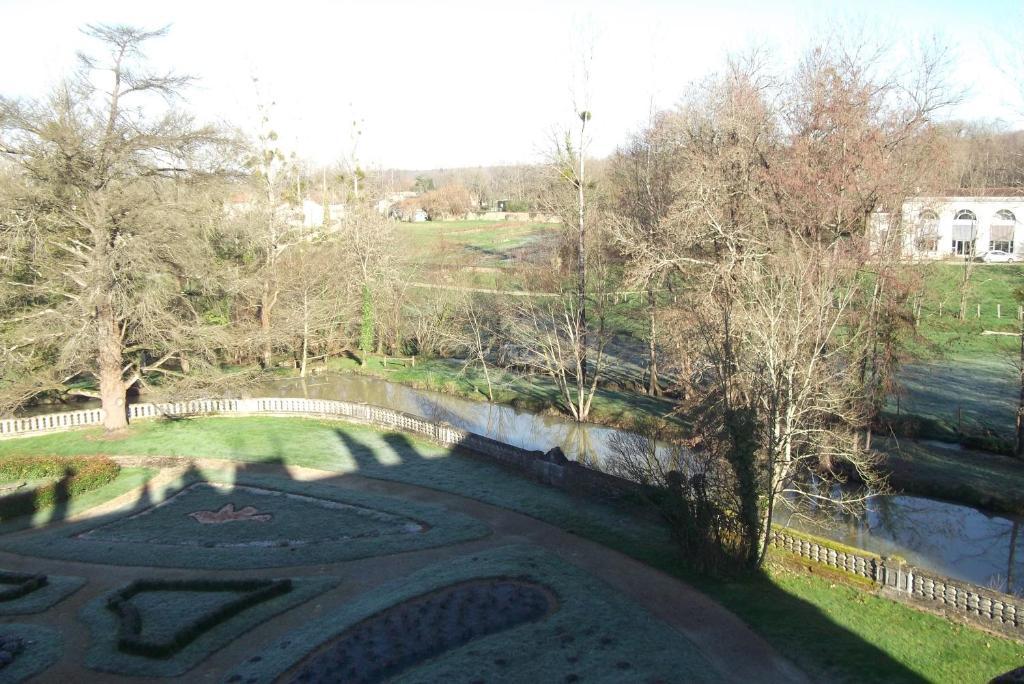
column 787, row 621
column 784, row 619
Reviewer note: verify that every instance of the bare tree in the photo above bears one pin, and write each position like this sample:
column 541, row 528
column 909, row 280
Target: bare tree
column 643, row 180
column 775, row 184
column 313, row 299
column 369, row 239
column 102, row 252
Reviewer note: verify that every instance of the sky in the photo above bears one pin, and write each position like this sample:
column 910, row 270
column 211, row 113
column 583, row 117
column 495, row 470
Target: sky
column 441, row 84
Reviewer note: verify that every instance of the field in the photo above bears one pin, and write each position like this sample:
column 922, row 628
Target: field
column 484, row 254
column 830, row 630
column 942, row 336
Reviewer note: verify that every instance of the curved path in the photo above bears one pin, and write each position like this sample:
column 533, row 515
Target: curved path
column 729, row 645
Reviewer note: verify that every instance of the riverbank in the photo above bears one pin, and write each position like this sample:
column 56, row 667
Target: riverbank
column 947, row 471
column 834, row 631
column 613, row 406
column 935, row 470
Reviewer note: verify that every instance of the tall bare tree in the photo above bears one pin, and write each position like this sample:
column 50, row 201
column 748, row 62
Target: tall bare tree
column 644, row 190
column 102, row 252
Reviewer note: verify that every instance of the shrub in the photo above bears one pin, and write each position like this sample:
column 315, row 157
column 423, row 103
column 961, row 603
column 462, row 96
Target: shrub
column 130, row 639
column 77, row 475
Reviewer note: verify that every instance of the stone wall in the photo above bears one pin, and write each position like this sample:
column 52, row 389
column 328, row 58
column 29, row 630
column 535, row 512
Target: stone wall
column 984, row 607
column 899, row 580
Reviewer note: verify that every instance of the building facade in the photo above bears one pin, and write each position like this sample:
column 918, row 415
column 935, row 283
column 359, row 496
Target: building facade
column 958, row 226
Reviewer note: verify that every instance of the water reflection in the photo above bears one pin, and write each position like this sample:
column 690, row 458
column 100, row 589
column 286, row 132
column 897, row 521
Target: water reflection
column 954, row 540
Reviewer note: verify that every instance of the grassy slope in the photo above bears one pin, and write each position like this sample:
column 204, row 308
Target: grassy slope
column 833, row 632
column 945, row 335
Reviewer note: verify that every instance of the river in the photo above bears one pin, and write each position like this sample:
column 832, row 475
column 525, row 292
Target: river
column 959, row 541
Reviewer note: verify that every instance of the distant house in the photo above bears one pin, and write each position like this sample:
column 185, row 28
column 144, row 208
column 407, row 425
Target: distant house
column 313, row 213
column 964, row 223
column 387, row 204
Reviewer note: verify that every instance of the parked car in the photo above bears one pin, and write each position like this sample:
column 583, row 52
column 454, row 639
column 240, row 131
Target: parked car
column 998, row 256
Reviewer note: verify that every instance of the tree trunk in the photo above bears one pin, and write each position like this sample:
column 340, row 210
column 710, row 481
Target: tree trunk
column 1014, row 531
column 366, row 325
column 110, row 360
column 653, row 388
column 305, row 350
column 581, row 253
column 267, row 357
column 1019, row 450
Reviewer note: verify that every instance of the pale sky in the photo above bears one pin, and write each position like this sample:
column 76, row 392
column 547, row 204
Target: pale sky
column 444, row 84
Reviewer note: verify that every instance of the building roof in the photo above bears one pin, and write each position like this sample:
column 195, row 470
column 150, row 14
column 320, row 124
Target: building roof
column 970, row 193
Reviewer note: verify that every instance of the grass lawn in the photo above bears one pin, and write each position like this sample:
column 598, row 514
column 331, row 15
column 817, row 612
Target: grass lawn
column 126, row 480
column 957, row 394
column 945, row 335
column 162, row 614
column 468, row 243
column 831, row 634
column 594, row 634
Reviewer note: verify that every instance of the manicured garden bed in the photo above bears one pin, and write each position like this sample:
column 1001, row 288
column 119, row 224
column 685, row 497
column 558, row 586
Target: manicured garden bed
column 291, row 523
column 404, row 636
column 592, row 635
column 156, row 618
column 54, row 589
column 832, row 632
column 166, row 612
column 27, row 650
column 126, row 480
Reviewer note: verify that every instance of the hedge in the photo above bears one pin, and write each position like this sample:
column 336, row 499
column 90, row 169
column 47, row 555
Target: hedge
column 130, row 639
column 76, row 475
column 19, row 584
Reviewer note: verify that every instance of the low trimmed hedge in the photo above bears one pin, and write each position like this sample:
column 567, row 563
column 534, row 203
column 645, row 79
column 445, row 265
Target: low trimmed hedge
column 14, row 585
column 76, row 475
column 130, row 639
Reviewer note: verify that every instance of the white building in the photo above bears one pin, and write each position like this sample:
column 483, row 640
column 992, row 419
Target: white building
column 947, row 227
column 313, row 213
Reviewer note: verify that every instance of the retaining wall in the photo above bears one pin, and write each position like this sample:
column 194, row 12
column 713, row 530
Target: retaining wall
column 899, row 580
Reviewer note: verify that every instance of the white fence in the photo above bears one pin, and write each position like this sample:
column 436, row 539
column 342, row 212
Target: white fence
column 57, row 422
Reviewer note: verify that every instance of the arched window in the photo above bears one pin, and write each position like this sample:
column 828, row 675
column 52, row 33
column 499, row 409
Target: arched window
column 965, row 232
column 1000, row 234
column 927, row 231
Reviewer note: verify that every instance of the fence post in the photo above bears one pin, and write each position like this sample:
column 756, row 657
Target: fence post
column 978, row 314
column 999, row 310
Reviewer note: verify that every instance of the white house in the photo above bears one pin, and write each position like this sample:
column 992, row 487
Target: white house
column 951, row 226
column 313, row 213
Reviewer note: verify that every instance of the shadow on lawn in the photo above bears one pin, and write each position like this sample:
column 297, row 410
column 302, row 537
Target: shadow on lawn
column 783, row 619
column 796, row 628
